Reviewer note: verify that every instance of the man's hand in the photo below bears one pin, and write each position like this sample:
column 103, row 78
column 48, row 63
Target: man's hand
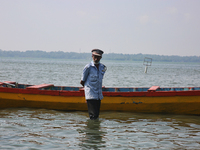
column 82, row 83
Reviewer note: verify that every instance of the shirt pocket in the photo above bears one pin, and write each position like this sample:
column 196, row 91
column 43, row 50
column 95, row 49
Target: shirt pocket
column 93, row 78
column 101, row 74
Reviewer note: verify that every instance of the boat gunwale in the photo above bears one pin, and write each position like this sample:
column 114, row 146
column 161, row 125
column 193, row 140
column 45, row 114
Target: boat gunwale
column 105, row 93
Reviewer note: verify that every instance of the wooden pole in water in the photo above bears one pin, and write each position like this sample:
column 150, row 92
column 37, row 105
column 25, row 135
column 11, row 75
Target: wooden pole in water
column 147, row 62
column 146, row 69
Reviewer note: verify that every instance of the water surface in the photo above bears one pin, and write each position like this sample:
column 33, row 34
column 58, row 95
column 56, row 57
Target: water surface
column 26, row 128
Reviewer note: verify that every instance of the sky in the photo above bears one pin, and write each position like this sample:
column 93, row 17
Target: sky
column 161, row 27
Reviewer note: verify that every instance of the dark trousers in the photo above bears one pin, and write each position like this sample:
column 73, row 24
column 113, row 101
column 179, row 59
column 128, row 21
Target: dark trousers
column 93, row 108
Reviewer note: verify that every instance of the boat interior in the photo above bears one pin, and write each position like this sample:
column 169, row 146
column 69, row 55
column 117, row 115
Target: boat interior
column 11, row 84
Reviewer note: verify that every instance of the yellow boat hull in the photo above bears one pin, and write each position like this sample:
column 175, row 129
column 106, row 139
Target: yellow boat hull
column 155, row 104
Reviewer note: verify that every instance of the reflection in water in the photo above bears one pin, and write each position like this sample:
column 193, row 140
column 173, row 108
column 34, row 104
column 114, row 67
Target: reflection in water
column 48, row 129
column 93, row 135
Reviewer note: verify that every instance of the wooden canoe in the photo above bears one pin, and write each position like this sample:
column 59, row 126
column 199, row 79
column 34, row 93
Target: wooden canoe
column 181, row 100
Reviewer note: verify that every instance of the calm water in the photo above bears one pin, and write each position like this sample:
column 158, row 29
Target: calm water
column 49, row 129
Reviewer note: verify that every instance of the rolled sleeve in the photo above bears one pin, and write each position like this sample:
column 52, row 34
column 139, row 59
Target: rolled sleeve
column 85, row 73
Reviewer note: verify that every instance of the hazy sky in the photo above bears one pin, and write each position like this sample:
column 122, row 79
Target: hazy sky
column 163, row 27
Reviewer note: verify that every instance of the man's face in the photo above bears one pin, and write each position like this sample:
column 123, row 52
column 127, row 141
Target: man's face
column 96, row 58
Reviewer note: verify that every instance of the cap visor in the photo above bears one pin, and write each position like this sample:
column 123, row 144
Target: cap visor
column 96, row 54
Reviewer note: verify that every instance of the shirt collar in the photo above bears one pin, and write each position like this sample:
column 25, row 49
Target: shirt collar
column 92, row 63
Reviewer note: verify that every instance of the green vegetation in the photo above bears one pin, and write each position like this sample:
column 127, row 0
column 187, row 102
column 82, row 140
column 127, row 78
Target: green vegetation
column 110, row 56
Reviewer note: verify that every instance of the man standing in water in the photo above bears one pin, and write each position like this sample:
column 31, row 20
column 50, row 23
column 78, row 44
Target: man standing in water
column 92, row 81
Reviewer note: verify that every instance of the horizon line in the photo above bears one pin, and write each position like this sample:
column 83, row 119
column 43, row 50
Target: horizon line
column 104, row 53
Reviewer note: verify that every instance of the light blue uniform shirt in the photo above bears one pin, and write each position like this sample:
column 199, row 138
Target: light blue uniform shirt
column 93, row 81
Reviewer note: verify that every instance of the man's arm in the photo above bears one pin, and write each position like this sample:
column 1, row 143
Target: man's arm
column 84, row 75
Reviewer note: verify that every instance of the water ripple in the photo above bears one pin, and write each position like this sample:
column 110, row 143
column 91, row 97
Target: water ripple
column 42, row 129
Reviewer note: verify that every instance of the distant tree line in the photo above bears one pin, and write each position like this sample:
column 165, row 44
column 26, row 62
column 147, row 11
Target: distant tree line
column 110, row 56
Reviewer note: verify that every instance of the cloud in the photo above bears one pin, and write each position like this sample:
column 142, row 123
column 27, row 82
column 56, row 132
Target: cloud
column 187, row 16
column 81, row 13
column 172, row 10
column 144, row 19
